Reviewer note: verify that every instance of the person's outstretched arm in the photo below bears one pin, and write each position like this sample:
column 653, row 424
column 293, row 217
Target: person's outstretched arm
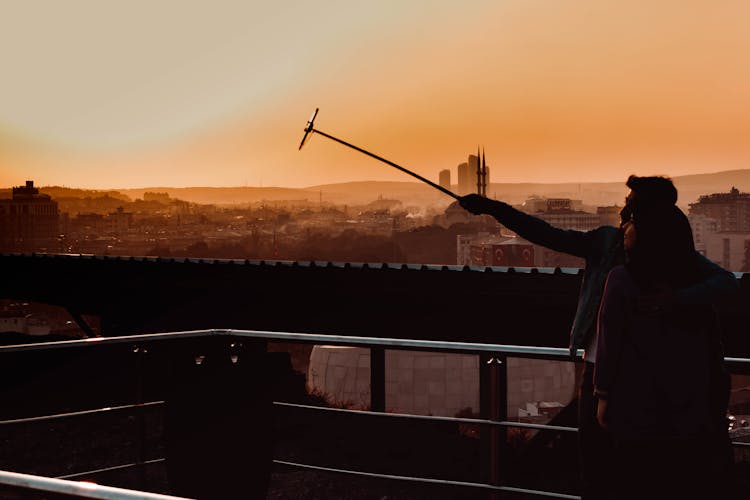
column 532, row 228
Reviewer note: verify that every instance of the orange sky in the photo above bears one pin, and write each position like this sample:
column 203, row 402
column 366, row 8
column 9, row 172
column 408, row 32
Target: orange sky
column 186, row 94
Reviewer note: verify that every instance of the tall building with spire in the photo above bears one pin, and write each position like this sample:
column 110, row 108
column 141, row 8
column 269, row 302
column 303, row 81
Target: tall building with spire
column 473, row 176
column 483, row 174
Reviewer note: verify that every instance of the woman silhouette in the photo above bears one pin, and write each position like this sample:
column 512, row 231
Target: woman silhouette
column 659, row 376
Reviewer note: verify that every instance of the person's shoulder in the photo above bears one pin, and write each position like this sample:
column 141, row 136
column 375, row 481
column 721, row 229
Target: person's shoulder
column 619, row 276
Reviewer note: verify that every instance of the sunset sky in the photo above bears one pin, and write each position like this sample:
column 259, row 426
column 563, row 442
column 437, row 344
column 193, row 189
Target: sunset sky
column 174, row 93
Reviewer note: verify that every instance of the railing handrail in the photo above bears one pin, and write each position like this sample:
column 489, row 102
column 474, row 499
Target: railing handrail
column 77, row 488
column 55, row 416
column 327, row 339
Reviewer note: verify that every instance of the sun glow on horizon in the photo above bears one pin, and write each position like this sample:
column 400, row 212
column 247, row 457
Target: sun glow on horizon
column 205, row 96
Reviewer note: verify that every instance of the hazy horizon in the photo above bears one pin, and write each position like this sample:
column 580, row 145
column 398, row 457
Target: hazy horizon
column 404, row 180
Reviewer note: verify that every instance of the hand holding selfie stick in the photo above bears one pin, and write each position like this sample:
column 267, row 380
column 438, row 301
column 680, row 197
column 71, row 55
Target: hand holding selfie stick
column 309, row 129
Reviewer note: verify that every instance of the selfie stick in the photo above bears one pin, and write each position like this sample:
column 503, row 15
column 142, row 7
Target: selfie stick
column 309, row 129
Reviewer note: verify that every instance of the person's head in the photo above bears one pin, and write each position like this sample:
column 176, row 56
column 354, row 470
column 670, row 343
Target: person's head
column 648, row 191
column 659, row 244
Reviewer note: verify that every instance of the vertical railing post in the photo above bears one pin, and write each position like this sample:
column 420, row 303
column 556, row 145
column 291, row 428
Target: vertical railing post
column 218, row 419
column 498, row 412
column 493, row 404
column 377, row 379
column 140, row 418
column 484, row 413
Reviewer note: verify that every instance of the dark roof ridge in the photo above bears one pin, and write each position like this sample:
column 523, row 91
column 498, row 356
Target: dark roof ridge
column 304, row 263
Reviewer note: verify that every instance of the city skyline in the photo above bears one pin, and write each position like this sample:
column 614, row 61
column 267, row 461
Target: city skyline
column 178, row 94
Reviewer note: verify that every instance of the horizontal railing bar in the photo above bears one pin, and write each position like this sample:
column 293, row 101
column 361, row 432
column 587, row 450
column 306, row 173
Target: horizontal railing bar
column 477, row 421
column 77, row 413
column 109, row 469
column 443, row 482
column 100, row 341
column 392, row 343
column 738, row 361
column 499, row 423
column 553, row 352
column 76, row 488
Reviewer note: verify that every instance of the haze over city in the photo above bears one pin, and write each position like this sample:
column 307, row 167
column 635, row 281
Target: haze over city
column 185, row 94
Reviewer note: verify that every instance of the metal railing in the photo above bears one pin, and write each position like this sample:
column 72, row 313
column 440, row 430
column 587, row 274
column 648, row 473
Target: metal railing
column 76, row 488
column 492, row 386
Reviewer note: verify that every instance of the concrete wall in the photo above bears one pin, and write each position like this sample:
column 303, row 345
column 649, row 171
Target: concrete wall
column 427, row 383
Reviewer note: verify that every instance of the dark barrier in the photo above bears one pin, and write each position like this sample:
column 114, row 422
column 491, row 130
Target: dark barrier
column 96, row 403
column 218, row 429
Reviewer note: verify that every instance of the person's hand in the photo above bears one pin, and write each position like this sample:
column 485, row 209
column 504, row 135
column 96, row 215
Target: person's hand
column 475, row 204
column 601, row 413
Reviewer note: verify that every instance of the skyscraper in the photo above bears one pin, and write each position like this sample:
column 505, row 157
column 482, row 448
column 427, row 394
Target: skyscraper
column 466, row 179
column 445, row 179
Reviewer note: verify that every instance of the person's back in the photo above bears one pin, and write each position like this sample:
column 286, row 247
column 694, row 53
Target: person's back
column 658, row 373
column 661, row 389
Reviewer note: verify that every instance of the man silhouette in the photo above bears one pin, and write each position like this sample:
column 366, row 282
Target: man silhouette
column 602, row 249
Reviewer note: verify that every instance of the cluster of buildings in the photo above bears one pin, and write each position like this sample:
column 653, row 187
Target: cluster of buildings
column 721, row 228
column 31, row 221
column 473, row 176
column 503, row 247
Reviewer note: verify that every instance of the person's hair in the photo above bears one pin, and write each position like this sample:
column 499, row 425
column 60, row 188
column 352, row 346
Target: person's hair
column 649, row 191
column 664, row 251
column 653, row 190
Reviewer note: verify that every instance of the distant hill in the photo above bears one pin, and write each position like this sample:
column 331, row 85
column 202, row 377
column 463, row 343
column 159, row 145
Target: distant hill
column 362, row 192
column 690, row 187
column 65, row 192
column 414, row 193
column 227, row 195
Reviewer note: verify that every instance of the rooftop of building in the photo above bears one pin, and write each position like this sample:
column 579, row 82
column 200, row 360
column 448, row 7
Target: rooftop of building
column 734, row 194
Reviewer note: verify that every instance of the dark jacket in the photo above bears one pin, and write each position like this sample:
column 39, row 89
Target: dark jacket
column 602, row 250
column 655, row 368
